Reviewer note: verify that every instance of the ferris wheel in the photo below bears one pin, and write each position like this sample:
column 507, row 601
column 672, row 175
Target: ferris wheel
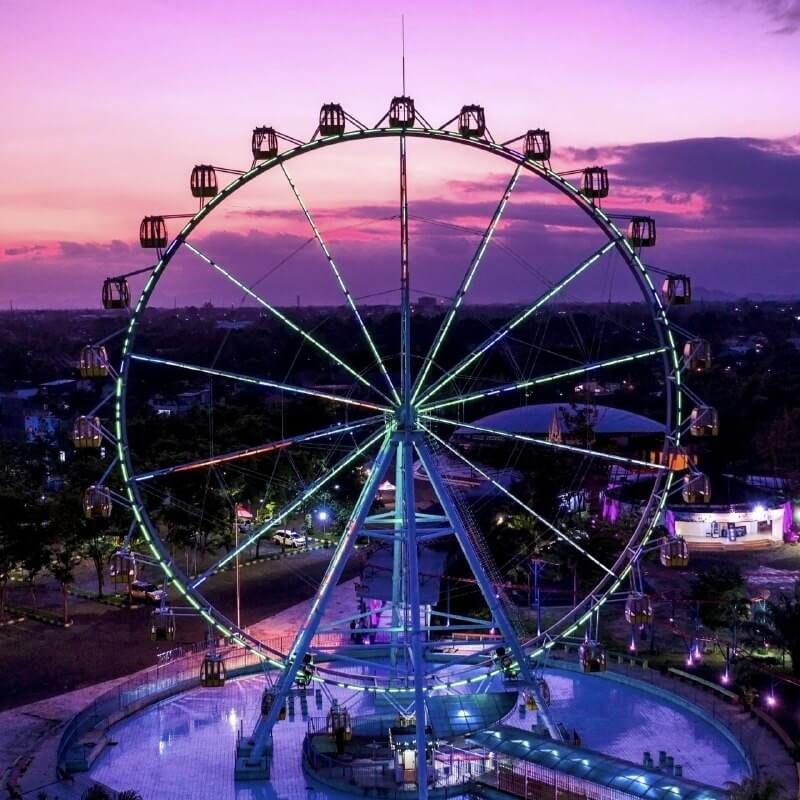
column 425, row 416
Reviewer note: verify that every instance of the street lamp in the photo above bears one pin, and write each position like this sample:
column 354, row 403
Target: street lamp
column 322, row 516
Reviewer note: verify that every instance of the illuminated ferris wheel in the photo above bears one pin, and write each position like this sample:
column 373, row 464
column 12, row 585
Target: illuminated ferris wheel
column 391, row 411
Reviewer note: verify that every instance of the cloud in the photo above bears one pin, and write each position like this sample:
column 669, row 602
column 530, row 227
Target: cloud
column 784, row 13
column 727, row 210
column 24, row 250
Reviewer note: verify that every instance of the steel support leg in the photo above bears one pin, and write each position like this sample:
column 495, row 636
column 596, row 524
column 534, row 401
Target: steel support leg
column 397, row 555
column 258, row 743
column 412, row 576
column 495, row 607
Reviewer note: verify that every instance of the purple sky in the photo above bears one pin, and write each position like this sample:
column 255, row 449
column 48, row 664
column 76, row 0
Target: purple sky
column 691, row 105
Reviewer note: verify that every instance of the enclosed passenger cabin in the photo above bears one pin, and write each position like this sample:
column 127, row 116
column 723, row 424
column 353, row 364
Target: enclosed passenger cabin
column 676, row 290
column 116, row 293
column 122, row 568
column 204, row 181
column 338, row 722
column 595, row 182
column 638, row 609
column 506, row 663
column 403, row 747
column 93, row 362
column 86, row 432
column 472, row 122
column 697, row 355
column 306, row 671
column 537, row 145
column 696, row 488
column 212, row 671
column 162, row 626
column 592, row 656
column 704, row 421
column 97, row 503
column 268, row 699
column 153, row 232
column 674, row 552
column 402, row 113
column 331, row 120
column 264, row 143
column 642, row 232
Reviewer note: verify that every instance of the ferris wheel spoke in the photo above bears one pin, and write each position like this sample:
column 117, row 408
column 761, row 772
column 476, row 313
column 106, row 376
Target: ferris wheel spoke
column 277, row 313
column 259, row 450
column 342, row 286
column 267, row 384
column 544, row 379
column 519, row 437
column 293, row 505
column 466, row 281
column 521, row 503
column 501, row 333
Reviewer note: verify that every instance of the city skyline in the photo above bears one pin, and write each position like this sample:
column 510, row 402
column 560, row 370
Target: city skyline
column 692, row 116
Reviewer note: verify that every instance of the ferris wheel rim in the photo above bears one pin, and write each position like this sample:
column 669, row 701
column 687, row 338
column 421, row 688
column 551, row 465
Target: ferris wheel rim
column 670, row 361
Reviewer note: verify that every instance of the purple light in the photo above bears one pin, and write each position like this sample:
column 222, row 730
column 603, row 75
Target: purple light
column 725, row 679
column 772, row 701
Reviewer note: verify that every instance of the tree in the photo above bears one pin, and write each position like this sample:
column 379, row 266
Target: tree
column 96, row 792
column 21, row 515
column 718, row 594
column 65, row 545
column 100, row 546
column 786, row 624
column 750, row 789
column 9, row 542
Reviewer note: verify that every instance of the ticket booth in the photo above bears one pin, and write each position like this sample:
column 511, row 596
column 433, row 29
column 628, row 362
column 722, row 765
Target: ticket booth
column 403, row 746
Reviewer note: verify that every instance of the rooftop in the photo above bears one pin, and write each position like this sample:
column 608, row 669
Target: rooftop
column 536, row 419
column 600, row 769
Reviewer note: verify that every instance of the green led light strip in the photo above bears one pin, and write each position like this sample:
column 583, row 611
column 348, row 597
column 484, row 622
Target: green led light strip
column 599, row 217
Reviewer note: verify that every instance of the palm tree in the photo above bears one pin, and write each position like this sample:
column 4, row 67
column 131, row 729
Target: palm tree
column 96, row 792
column 750, row 789
column 129, row 794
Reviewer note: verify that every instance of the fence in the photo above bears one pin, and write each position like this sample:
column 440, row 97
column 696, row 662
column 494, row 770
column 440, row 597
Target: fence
column 177, row 671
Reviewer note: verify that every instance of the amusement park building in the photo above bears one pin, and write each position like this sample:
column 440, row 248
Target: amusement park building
column 743, row 512
column 548, row 418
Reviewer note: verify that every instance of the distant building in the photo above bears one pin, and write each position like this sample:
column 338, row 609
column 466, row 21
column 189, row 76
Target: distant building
column 741, row 345
column 427, row 305
column 182, row 403
column 233, row 325
column 64, row 387
column 553, row 421
column 745, row 512
column 598, row 389
column 41, row 427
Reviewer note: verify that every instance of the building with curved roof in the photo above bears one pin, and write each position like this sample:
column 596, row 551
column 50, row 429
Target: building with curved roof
column 540, row 419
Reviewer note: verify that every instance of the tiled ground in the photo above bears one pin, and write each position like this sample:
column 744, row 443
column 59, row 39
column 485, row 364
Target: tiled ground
column 190, row 740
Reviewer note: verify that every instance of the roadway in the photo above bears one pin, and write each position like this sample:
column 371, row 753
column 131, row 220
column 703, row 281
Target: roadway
column 104, row 642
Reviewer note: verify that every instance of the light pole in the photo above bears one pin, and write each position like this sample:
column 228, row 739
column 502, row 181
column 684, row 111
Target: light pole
column 236, row 544
column 322, row 516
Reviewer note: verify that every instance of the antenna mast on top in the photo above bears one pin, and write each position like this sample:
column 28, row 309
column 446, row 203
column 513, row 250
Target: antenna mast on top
column 403, row 37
